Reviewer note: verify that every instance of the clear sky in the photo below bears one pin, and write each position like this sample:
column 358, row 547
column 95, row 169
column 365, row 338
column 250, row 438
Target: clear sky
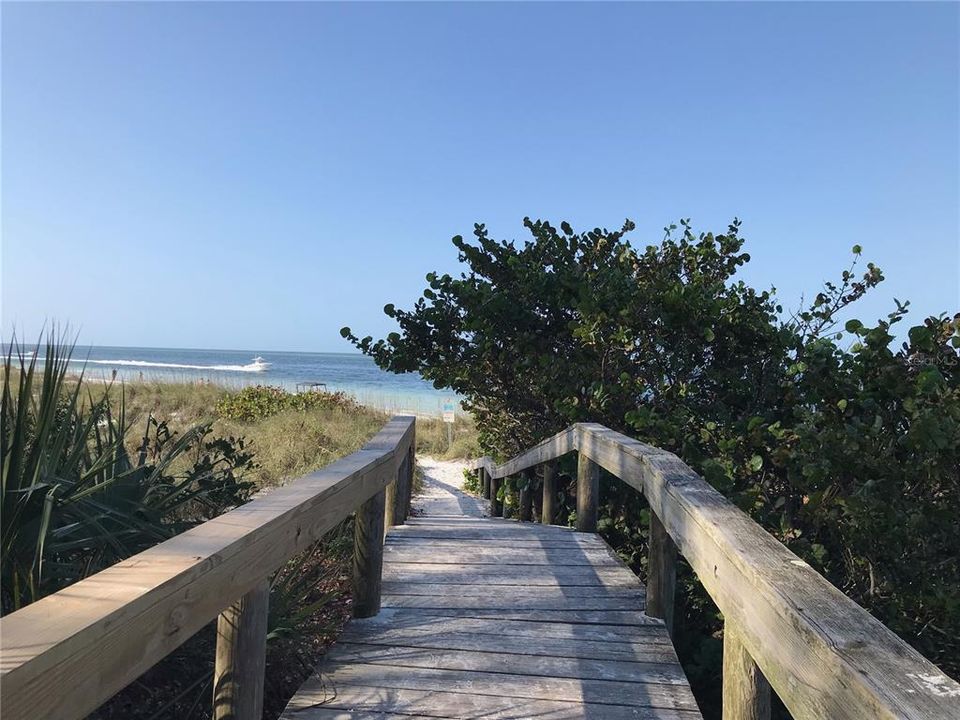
column 255, row 176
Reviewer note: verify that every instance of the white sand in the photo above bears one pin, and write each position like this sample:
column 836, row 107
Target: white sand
column 442, row 493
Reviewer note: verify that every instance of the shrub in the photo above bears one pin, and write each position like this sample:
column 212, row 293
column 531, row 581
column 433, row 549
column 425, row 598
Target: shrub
column 261, row 401
column 848, row 453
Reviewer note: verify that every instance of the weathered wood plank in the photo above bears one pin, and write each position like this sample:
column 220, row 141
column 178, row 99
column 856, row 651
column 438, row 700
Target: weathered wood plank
column 535, row 678
column 510, row 594
column 103, row 632
column 450, row 541
column 482, row 601
column 551, row 448
column 348, row 694
column 398, row 619
column 646, row 651
column 502, row 556
column 495, row 575
column 586, row 617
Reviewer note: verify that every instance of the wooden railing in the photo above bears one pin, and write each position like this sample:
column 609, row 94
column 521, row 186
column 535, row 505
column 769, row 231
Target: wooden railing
column 785, row 626
column 63, row 656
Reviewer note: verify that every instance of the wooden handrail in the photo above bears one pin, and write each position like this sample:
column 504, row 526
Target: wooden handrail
column 824, row 655
column 64, row 655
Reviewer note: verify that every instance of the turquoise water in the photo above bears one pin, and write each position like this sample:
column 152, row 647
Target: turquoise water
column 353, row 374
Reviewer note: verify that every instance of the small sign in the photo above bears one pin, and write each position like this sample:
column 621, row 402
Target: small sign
column 448, row 411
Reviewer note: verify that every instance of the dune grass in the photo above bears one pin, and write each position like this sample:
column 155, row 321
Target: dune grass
column 292, row 442
column 432, row 438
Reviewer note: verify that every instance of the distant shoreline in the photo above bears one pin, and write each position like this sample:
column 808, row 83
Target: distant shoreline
column 208, row 382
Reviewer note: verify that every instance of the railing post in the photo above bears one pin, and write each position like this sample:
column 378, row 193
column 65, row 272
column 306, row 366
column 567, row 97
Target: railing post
column 411, row 465
column 241, row 657
column 525, row 505
column 368, row 556
column 661, row 573
column 395, row 496
column 548, row 515
column 485, row 483
column 588, row 493
column 496, row 504
column 746, row 692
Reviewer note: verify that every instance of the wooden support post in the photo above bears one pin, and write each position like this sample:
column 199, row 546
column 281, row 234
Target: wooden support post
column 389, row 500
column 410, row 465
column 496, row 504
column 241, row 657
column 661, row 573
column 485, row 483
column 395, row 497
column 588, row 493
column 525, row 505
column 548, row 515
column 368, row 556
column 746, row 692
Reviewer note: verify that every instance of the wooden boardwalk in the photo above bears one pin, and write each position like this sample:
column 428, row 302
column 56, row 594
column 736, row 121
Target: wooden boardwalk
column 491, row 618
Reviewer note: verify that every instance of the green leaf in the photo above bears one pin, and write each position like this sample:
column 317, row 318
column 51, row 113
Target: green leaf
column 853, row 326
column 857, row 249
column 756, row 462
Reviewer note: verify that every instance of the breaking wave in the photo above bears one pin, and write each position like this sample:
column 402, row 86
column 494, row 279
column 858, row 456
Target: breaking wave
column 250, row 367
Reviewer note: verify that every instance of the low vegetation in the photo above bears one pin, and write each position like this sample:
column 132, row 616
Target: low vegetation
column 841, row 438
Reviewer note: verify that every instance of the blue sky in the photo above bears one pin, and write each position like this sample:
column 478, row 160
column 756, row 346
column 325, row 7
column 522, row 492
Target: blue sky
column 256, row 176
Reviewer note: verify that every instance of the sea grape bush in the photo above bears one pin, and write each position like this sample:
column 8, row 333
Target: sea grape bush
column 261, row 401
column 840, row 441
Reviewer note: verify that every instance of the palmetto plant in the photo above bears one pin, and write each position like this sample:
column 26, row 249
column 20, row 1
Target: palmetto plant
column 73, row 498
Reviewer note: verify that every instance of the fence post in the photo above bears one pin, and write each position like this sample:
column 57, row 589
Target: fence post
column 525, row 506
column 368, row 556
column 241, row 657
column 588, row 493
column 548, row 515
column 746, row 692
column 485, row 483
column 661, row 573
column 496, row 504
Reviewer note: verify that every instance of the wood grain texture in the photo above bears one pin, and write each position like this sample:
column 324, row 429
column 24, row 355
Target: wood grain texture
column 548, row 515
column 746, row 692
column 67, row 653
column 241, row 657
column 588, row 493
column 368, row 556
column 661, row 574
column 476, row 628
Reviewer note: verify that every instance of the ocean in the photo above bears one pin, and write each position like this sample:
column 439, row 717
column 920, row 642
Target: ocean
column 356, row 375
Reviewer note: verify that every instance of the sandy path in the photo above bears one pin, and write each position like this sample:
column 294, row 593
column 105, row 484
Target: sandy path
column 442, row 494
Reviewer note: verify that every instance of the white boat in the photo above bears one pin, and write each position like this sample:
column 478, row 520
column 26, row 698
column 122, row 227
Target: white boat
column 259, row 364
